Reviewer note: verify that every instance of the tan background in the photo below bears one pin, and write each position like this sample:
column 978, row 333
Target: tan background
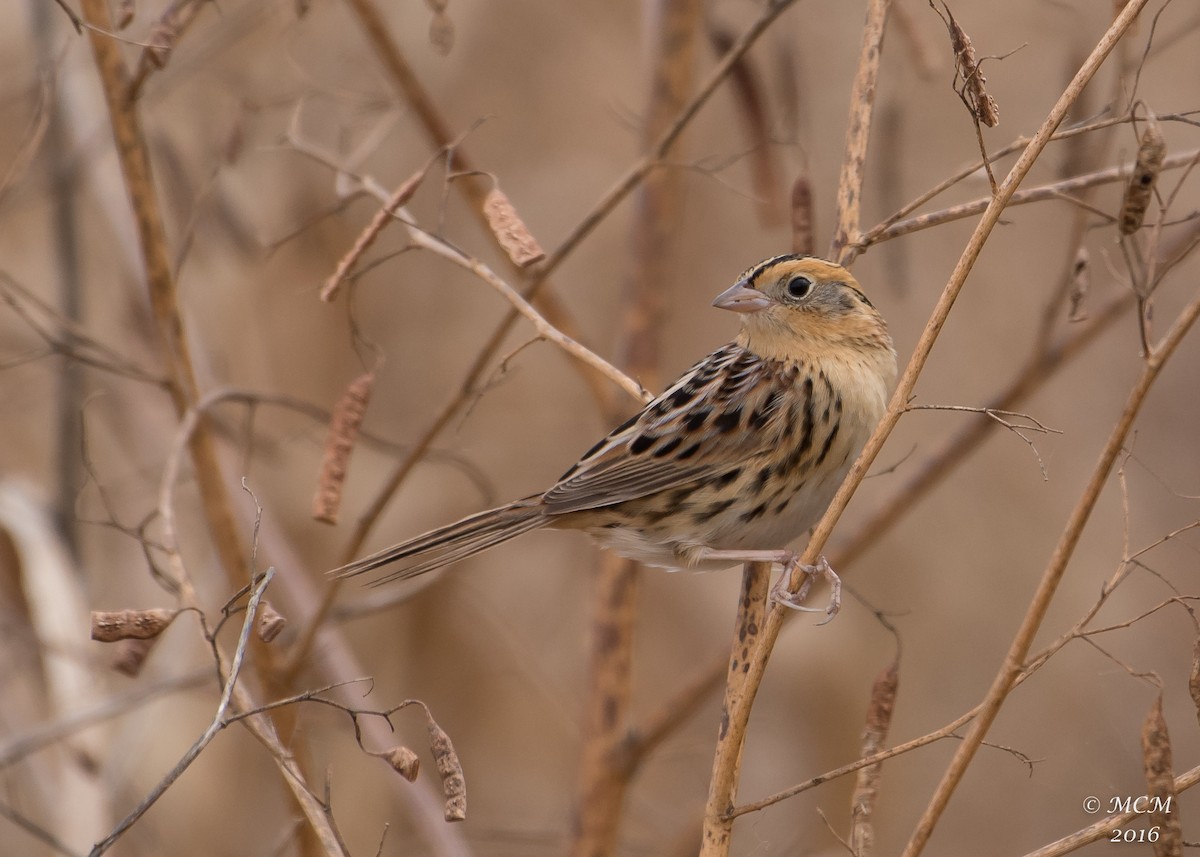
column 498, row 646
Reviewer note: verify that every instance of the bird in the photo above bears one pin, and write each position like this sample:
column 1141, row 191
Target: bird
column 733, row 461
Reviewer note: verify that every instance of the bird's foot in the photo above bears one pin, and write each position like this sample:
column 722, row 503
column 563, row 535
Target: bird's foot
column 781, row 594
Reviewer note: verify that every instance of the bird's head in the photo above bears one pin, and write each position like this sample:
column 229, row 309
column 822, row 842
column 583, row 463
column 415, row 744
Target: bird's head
column 793, row 307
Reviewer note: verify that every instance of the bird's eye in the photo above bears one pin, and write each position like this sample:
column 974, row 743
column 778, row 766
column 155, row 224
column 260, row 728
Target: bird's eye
column 799, row 286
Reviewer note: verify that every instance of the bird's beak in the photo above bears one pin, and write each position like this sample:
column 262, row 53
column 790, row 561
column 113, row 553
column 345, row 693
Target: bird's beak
column 740, row 297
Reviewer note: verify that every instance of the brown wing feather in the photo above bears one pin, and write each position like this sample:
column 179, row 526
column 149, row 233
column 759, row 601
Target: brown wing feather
column 725, row 409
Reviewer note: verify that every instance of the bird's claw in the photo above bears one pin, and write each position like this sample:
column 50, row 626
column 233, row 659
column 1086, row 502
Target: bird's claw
column 780, row 593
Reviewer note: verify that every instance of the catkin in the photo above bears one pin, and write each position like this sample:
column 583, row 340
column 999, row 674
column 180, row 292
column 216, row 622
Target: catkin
column 510, row 231
column 403, row 761
column 974, row 89
column 454, row 784
column 270, row 622
column 1152, row 149
column 339, row 443
column 109, row 627
column 1160, row 783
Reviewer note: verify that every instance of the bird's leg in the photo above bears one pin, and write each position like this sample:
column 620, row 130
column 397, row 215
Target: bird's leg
column 789, row 559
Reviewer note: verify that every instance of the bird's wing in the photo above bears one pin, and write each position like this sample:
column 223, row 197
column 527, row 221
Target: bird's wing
column 726, row 409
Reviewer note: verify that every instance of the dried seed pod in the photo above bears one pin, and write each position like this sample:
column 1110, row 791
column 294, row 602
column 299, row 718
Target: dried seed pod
column 974, row 85
column 382, row 218
column 1194, row 678
column 164, row 33
column 454, row 784
column 1152, row 148
column 339, row 443
column 109, row 627
column 270, row 622
column 802, row 216
column 403, row 761
column 1081, row 282
column 1160, row 783
column 124, row 14
column 131, row 655
column 510, row 231
column 441, row 33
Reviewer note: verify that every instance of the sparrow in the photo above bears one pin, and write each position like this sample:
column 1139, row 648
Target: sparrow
column 735, row 460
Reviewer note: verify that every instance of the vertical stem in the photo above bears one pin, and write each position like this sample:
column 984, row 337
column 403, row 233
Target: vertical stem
column 731, row 736
column 134, row 158
column 605, row 770
column 64, row 239
column 133, row 155
column 602, row 777
column 858, row 132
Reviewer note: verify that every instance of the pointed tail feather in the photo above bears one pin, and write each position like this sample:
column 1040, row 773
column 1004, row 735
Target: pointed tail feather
column 453, row 542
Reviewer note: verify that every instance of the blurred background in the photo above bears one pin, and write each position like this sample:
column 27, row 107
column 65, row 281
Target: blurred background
column 552, row 99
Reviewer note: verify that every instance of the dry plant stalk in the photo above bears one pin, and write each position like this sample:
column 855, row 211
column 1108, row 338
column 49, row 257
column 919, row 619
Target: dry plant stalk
column 1152, row 151
column 510, row 230
column 858, row 133
column 1160, row 783
column 740, row 687
column 874, row 739
column 109, row 627
column 605, row 771
column 339, row 444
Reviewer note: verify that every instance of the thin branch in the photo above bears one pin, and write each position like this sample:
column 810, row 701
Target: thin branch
column 544, row 328
column 218, row 723
column 428, row 241
column 51, row 733
column 1032, row 424
column 1054, row 190
column 260, row 727
column 1097, row 831
column 36, row 831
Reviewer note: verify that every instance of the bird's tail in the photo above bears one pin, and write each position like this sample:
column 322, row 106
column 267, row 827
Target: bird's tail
column 452, row 542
